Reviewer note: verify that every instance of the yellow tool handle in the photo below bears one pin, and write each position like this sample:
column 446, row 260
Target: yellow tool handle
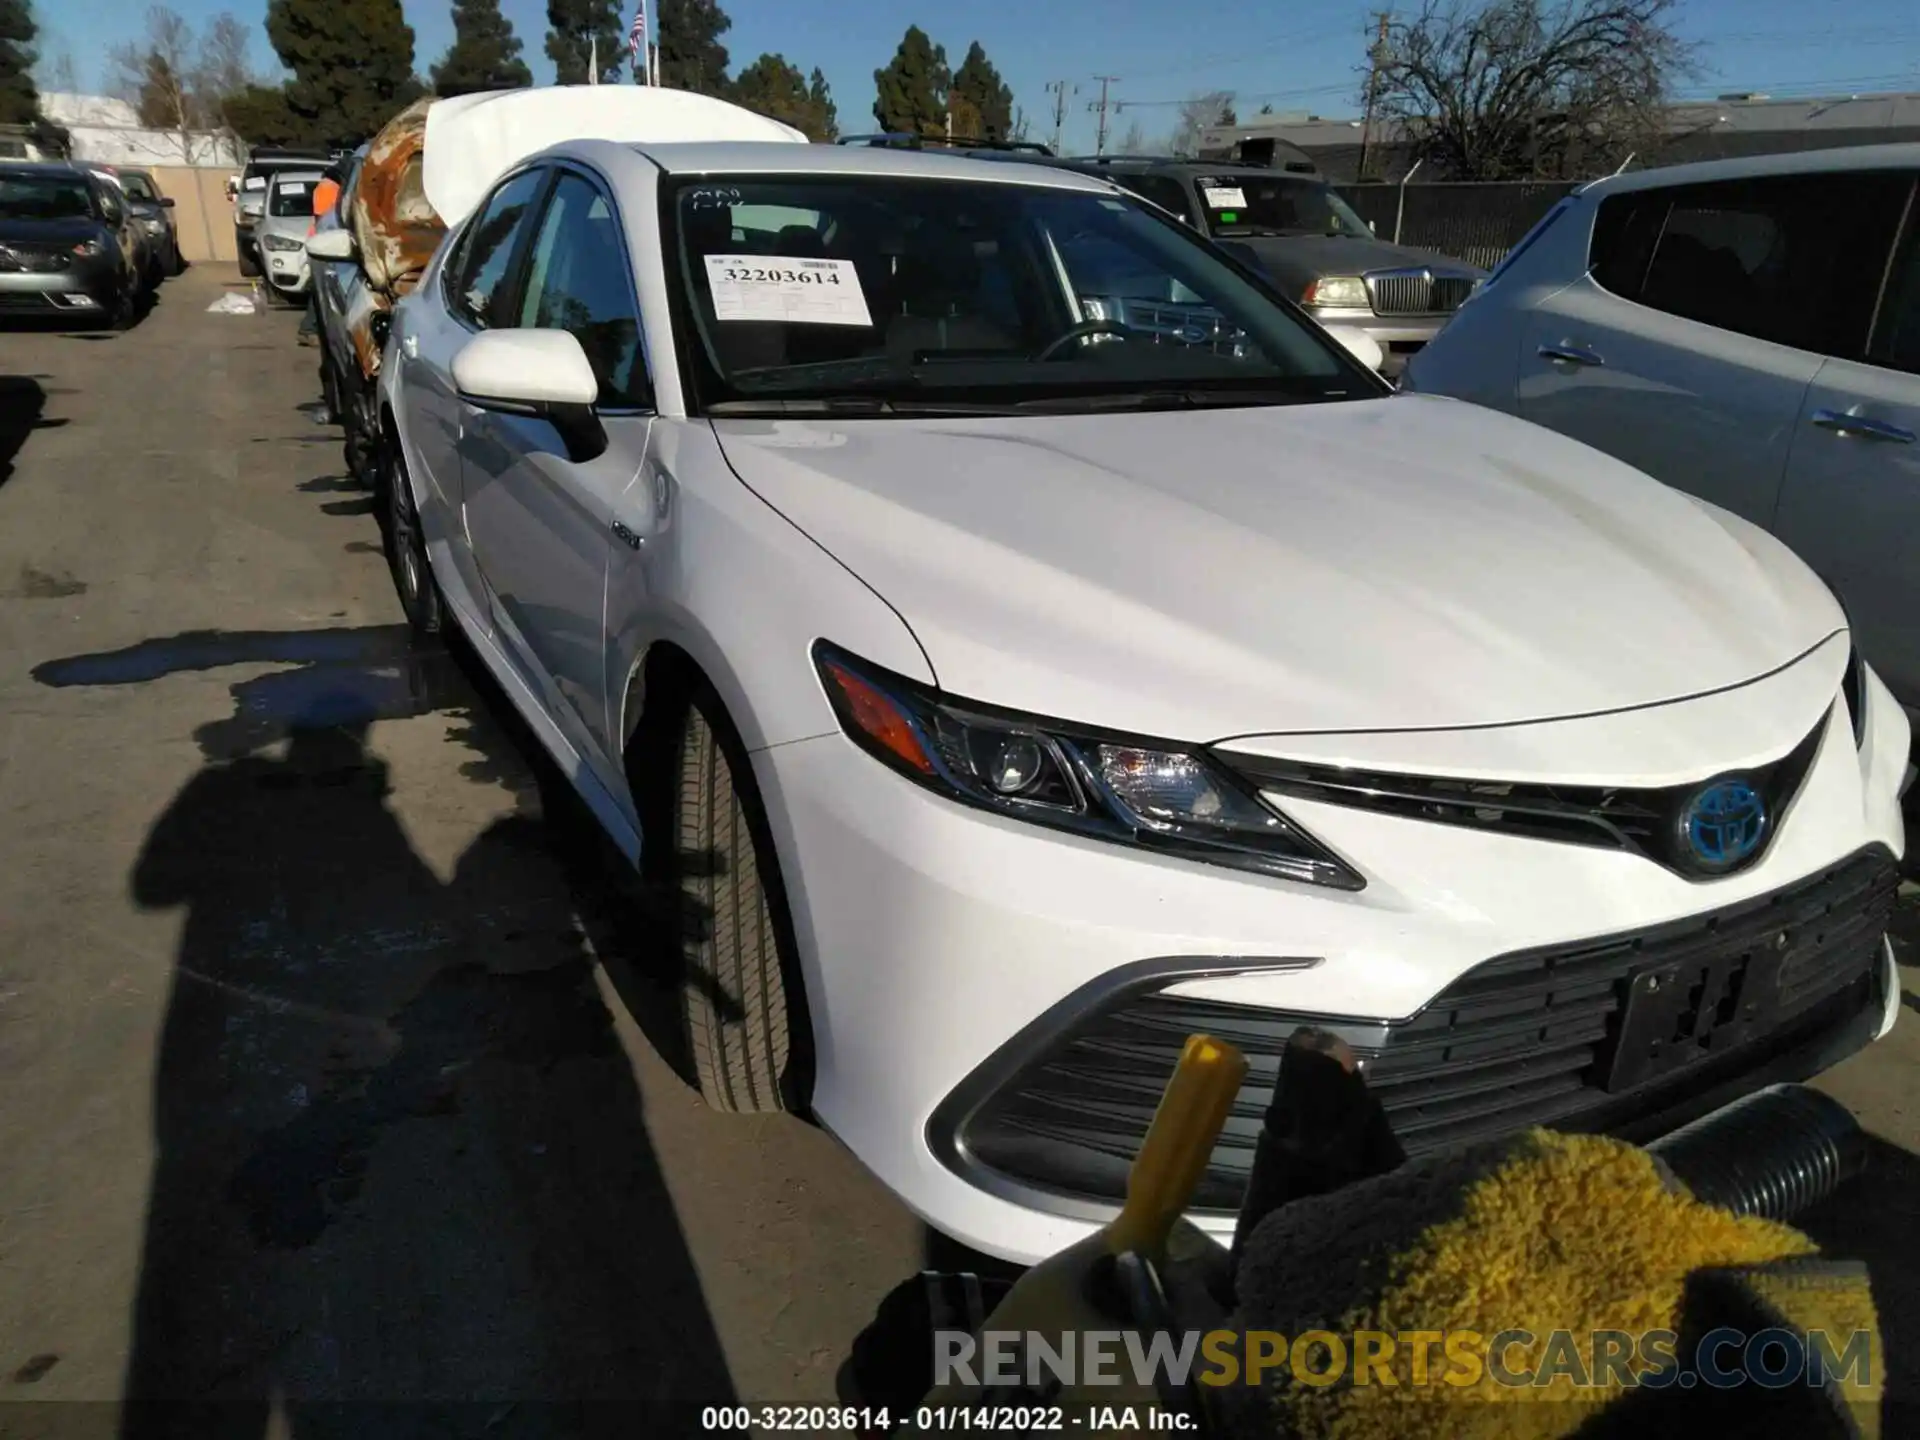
column 1173, row 1157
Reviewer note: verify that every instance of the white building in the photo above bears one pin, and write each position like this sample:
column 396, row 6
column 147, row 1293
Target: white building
column 109, row 132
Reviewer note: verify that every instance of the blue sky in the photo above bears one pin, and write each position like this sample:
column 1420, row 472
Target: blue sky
column 1298, row 56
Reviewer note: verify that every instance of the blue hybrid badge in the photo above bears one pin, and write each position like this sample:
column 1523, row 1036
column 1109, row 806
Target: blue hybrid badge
column 1723, row 826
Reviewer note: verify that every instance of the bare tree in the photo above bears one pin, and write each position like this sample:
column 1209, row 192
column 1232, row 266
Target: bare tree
column 1133, row 141
column 155, row 75
column 1529, row 89
column 224, row 67
column 1213, row 108
column 55, row 74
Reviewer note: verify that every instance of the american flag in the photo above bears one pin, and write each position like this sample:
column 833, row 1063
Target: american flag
column 637, row 38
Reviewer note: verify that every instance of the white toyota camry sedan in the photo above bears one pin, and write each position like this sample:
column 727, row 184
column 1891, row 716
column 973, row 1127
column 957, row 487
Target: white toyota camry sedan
column 1021, row 638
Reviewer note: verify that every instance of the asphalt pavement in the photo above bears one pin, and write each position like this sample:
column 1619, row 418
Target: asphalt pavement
column 324, row 1074
column 312, row 1085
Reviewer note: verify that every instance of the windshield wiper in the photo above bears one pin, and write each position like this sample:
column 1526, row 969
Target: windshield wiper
column 851, row 406
column 1186, row 398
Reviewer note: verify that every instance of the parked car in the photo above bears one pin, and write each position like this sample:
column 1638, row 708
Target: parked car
column 1007, row 693
column 67, row 245
column 1302, row 232
column 1746, row 330
column 281, row 233
column 332, row 282
column 153, row 213
column 250, row 199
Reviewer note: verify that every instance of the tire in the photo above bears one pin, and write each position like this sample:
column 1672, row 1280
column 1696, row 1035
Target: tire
column 406, row 551
column 708, row 849
column 330, row 389
column 249, row 264
column 357, row 446
column 125, row 309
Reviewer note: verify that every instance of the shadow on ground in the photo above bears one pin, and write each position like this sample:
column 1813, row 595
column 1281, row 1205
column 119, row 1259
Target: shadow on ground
column 403, row 1182
column 23, row 406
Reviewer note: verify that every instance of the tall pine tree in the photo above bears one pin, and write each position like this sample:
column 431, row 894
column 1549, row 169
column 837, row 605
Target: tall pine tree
column 578, row 30
column 485, row 54
column 770, row 86
column 981, row 103
column 352, row 64
column 19, row 98
column 691, row 55
column 912, row 98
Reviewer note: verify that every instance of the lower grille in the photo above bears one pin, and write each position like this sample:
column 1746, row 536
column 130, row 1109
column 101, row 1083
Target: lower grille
column 1539, row 1038
column 25, row 300
column 1416, row 292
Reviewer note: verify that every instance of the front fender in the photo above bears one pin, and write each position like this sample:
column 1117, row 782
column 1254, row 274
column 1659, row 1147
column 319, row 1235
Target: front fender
column 727, row 579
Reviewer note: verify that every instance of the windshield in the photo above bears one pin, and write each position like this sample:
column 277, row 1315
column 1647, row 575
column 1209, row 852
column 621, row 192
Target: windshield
column 138, row 187
column 44, row 197
column 1270, row 205
column 291, row 198
column 910, row 294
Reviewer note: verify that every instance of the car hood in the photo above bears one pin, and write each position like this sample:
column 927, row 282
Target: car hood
column 1405, row 563
column 48, row 231
column 1311, row 256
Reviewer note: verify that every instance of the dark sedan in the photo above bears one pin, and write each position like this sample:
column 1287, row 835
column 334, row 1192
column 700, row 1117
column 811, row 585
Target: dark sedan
column 65, row 245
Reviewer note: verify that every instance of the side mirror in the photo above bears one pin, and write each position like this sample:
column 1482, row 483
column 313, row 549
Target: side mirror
column 166, row 202
column 233, row 186
column 540, row 373
column 332, row 245
column 1362, row 346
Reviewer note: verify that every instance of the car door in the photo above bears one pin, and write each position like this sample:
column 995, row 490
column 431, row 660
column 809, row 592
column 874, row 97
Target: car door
column 476, row 291
column 1851, row 504
column 542, row 523
column 1705, row 313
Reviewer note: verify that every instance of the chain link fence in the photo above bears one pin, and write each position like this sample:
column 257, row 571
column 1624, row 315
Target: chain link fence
column 1475, row 221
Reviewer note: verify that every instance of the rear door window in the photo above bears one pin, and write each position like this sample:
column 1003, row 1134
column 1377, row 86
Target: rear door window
column 1163, row 190
column 1793, row 259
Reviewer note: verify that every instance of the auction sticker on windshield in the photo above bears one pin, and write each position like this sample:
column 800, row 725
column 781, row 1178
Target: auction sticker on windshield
column 1226, row 197
column 786, row 288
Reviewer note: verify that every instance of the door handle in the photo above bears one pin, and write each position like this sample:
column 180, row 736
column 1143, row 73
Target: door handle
column 1567, row 353
column 1864, row 426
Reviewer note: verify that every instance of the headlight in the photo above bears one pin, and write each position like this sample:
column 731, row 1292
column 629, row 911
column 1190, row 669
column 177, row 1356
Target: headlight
column 88, row 249
column 1171, row 799
column 153, row 224
column 283, row 242
column 1346, row 292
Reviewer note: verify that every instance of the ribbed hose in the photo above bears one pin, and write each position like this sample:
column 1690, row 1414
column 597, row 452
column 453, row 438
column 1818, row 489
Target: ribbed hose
column 1773, row 1154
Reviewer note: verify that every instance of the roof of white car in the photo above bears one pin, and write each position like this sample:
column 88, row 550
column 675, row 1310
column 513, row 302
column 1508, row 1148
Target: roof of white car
column 699, row 158
column 1806, row 162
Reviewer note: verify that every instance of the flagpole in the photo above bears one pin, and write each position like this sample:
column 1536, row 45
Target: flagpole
column 593, row 59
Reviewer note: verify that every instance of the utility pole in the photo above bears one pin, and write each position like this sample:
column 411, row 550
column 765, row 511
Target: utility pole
column 1375, row 53
column 1101, row 107
column 1060, row 90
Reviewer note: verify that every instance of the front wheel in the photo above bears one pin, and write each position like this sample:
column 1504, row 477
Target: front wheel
column 330, row 389
column 708, row 847
column 406, row 548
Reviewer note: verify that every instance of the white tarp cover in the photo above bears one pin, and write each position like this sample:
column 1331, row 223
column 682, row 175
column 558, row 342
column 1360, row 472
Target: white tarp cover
column 471, row 139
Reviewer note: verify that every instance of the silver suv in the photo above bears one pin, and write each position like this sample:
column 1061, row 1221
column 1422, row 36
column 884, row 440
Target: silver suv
column 1301, row 232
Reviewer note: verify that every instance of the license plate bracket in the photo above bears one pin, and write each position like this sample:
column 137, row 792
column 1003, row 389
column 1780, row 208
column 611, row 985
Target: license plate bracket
column 1682, row 1013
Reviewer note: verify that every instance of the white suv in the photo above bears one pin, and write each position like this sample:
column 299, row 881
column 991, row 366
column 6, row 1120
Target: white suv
column 1748, row 331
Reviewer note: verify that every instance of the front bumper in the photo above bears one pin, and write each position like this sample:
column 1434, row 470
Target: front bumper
column 1400, row 337
column 288, row 271
column 74, row 291
column 941, row 944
